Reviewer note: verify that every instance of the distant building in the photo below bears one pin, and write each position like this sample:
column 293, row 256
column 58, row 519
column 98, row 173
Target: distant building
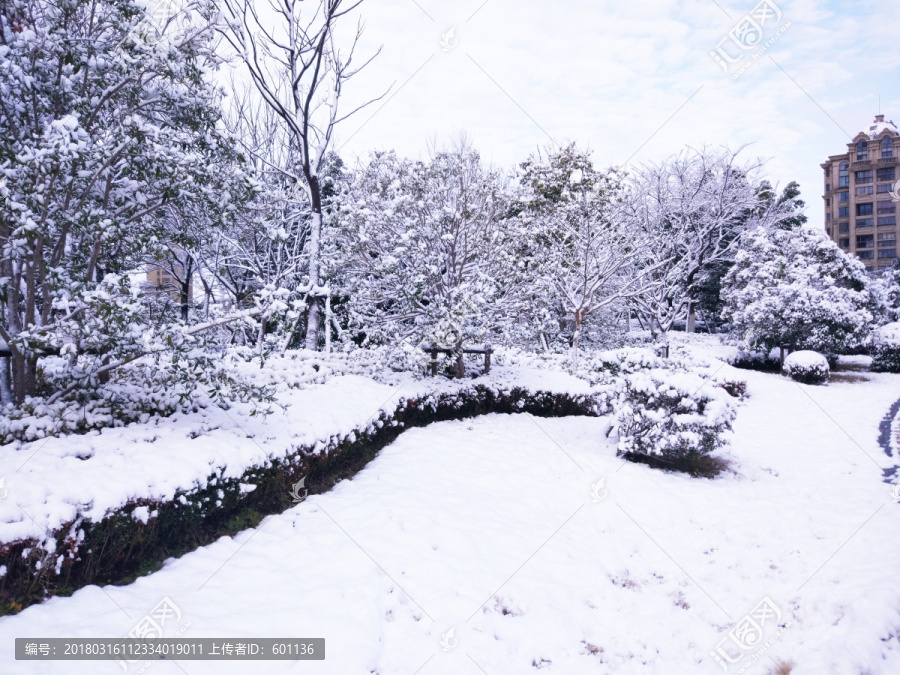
column 862, row 193
column 165, row 277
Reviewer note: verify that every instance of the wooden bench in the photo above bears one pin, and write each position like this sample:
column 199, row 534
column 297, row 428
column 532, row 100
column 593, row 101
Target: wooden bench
column 434, row 350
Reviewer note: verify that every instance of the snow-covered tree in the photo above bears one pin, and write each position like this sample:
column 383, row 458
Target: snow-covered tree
column 578, row 244
column 106, row 120
column 797, row 288
column 296, row 64
column 419, row 250
column 707, row 301
column 690, row 211
column 885, row 290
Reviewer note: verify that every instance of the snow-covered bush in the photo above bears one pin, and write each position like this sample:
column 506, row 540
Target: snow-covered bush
column 734, row 387
column 755, row 360
column 625, row 361
column 886, row 348
column 806, row 366
column 672, row 415
column 150, row 387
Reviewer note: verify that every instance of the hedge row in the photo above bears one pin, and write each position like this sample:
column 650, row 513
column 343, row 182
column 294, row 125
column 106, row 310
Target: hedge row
column 121, row 547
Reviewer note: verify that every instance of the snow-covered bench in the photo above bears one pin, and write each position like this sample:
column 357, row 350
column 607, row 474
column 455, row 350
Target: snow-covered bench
column 434, row 350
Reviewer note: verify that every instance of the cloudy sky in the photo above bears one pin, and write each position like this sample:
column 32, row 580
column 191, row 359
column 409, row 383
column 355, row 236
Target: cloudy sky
column 633, row 80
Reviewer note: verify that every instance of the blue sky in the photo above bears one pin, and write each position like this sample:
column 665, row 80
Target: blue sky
column 634, row 80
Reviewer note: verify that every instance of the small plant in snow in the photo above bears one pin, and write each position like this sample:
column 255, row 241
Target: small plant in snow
column 886, row 348
column 674, row 416
column 807, row 367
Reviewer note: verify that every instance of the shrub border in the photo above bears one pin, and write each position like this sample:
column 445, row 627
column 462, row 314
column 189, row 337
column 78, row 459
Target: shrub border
column 119, row 548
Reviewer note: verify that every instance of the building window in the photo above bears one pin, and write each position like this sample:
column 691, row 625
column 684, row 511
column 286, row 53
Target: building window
column 865, row 241
column 887, row 253
column 862, row 150
column 865, row 190
column 843, row 228
column 844, row 242
column 844, row 196
column 827, row 217
column 828, row 202
column 844, row 174
column 887, row 237
column 887, row 147
column 827, row 172
column 887, row 220
column 865, row 222
column 864, row 209
column 864, row 176
column 887, row 207
column 888, row 173
column 887, row 187
column 844, row 212
column 865, row 255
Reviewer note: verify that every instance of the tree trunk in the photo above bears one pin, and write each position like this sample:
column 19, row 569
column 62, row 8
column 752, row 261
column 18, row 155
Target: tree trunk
column 460, row 366
column 544, row 344
column 5, row 384
column 691, row 319
column 576, row 338
column 312, row 325
column 185, row 290
column 315, row 230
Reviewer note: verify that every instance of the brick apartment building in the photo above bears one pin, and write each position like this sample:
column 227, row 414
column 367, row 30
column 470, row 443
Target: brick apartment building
column 861, row 195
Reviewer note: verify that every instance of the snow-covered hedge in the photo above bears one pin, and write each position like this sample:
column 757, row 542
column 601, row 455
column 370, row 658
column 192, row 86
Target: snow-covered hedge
column 672, row 414
column 602, row 367
column 807, row 366
column 146, row 530
column 755, row 360
column 886, row 348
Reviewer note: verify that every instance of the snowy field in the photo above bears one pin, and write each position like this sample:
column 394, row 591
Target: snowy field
column 488, row 546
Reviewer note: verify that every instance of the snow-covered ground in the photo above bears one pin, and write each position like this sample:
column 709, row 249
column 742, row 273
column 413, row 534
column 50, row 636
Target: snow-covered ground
column 497, row 529
column 55, row 480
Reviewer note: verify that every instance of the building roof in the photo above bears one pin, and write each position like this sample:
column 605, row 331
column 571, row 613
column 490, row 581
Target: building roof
column 879, row 125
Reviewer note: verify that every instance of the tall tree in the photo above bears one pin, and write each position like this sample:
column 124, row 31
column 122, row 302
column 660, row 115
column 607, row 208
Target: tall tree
column 292, row 55
column 105, row 119
column 690, row 211
column 420, row 249
column 581, row 245
column 797, row 288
